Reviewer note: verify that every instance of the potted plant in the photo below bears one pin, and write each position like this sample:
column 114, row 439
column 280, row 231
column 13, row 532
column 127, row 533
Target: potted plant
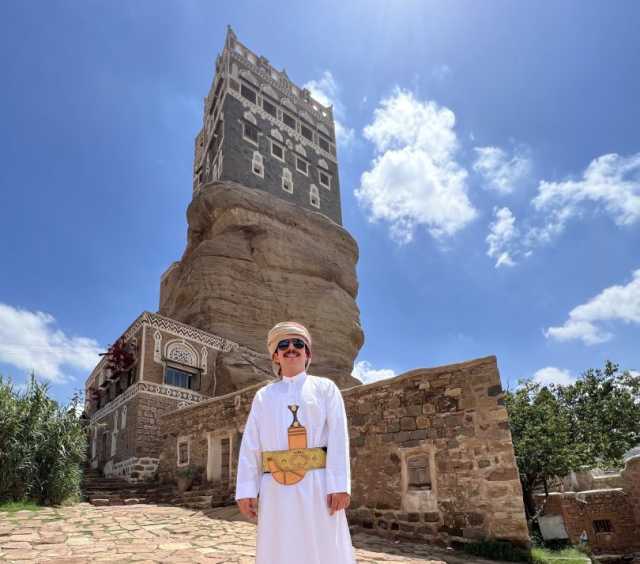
column 184, row 479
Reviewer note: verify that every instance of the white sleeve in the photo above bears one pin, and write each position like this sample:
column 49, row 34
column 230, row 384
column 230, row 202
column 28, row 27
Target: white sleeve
column 250, row 457
column 338, row 471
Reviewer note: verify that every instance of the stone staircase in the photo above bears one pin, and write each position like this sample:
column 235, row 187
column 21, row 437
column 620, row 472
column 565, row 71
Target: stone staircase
column 99, row 490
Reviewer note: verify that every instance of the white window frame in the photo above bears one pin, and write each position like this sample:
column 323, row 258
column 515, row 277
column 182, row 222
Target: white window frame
column 244, row 132
column 257, row 159
column 242, row 84
column 320, row 173
column 180, row 441
column 313, row 191
column 264, row 98
column 287, row 177
column 300, row 159
column 281, row 159
column 295, row 121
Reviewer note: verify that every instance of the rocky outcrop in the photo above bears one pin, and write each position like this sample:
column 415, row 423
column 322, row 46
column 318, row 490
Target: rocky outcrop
column 252, row 260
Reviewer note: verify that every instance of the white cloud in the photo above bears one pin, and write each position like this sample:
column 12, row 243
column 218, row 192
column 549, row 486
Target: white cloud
column 30, row 341
column 501, row 173
column 616, row 303
column 552, row 375
column 364, row 372
column 326, row 91
column 610, row 182
column 414, row 178
column 502, row 237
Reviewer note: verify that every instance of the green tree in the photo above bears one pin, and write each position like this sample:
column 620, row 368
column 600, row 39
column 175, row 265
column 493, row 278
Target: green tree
column 556, row 429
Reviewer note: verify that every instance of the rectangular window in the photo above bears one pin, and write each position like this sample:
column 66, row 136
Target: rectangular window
column 247, row 93
column 288, row 120
column 418, row 474
column 302, row 166
column 306, row 132
column 324, row 144
column 179, row 378
column 277, row 150
column 602, row 526
column 269, row 107
column 325, row 179
column 183, row 453
column 250, row 132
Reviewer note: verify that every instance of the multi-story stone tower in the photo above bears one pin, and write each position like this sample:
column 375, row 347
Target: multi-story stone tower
column 262, row 131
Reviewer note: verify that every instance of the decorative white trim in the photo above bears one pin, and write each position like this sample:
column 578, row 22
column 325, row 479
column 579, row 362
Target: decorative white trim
column 323, row 164
column 178, row 350
column 142, row 349
column 323, row 128
column 257, row 164
column 248, row 105
column 270, row 91
column 277, row 135
column 123, row 417
column 182, row 395
column 203, row 361
column 300, row 149
column 314, row 196
column 179, row 329
column 115, row 421
column 290, row 106
column 250, row 118
column 157, row 347
column 287, row 180
column 180, row 441
column 300, row 159
column 249, row 77
column 328, row 184
column 276, row 144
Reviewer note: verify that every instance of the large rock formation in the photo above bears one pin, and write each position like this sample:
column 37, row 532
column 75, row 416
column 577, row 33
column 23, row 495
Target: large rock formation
column 252, row 260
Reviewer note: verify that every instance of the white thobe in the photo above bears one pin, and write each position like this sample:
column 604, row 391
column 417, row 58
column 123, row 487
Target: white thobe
column 294, row 524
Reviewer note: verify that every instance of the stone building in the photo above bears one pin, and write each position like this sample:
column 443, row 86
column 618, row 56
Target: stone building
column 261, row 130
column 601, row 509
column 432, row 456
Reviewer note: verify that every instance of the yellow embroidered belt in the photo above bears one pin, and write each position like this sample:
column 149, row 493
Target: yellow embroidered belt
column 294, row 460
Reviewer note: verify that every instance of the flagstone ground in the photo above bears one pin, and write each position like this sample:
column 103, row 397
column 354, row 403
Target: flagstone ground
column 83, row 534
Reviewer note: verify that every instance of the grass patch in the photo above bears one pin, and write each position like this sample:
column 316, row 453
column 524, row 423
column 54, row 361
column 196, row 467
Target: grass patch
column 497, row 550
column 15, row 506
column 567, row 555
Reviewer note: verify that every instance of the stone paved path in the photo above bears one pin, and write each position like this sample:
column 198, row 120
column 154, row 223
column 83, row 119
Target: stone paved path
column 84, row 534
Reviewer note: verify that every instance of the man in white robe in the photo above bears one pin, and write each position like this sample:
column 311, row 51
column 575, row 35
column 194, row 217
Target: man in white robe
column 304, row 522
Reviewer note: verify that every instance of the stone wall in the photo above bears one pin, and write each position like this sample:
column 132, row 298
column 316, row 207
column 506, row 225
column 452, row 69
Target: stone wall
column 440, row 444
column 609, row 517
column 431, row 453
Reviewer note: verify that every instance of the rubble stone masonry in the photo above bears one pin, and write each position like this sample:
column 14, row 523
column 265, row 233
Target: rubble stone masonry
column 431, row 453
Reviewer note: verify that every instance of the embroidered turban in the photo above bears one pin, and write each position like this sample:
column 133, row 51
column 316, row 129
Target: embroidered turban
column 282, row 330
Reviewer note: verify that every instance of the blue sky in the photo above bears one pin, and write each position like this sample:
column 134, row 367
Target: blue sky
column 489, row 158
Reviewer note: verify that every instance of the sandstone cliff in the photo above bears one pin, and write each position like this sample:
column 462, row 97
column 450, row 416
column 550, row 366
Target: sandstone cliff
column 253, row 260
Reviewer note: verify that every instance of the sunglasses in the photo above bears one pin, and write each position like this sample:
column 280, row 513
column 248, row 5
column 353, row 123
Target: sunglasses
column 297, row 344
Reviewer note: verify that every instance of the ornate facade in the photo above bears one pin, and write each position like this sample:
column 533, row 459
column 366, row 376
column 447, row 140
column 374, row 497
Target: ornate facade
column 261, row 130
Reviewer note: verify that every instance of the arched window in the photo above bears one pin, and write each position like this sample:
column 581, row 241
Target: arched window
column 257, row 165
column 182, row 354
column 314, row 196
column 287, row 181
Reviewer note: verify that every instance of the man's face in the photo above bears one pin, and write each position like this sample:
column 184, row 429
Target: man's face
column 292, row 361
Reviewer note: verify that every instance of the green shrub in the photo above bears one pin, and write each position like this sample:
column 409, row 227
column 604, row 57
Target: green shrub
column 42, row 445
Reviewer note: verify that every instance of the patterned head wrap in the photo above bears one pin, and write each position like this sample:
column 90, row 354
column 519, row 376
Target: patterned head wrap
column 282, row 330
